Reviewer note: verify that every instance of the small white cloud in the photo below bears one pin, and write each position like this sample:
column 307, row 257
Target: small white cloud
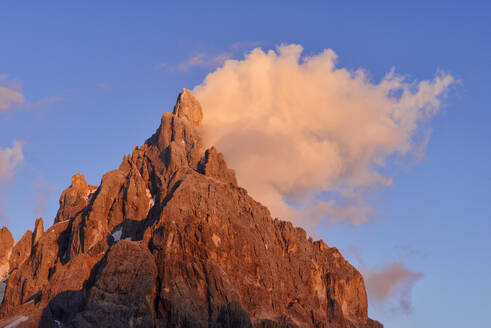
column 9, row 159
column 9, row 98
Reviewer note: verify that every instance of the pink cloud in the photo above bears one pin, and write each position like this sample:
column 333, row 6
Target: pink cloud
column 10, row 157
column 293, row 127
column 10, row 95
column 42, row 192
column 393, row 282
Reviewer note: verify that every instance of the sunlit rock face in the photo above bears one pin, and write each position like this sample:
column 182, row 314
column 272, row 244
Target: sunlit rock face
column 170, row 240
column 75, row 198
column 6, row 243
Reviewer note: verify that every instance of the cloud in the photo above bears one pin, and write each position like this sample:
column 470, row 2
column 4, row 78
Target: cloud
column 195, row 60
column 210, row 59
column 42, row 192
column 387, row 286
column 244, row 45
column 308, row 139
column 353, row 252
column 203, row 60
column 393, row 282
column 3, row 217
column 10, row 96
column 9, row 159
column 403, row 251
column 162, row 65
column 104, row 86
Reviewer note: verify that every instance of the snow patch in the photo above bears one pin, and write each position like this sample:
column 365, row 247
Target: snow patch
column 151, row 198
column 14, row 323
column 89, row 193
column 117, row 234
column 3, row 286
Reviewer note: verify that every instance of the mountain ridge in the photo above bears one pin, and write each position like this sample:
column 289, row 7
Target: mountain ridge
column 169, row 239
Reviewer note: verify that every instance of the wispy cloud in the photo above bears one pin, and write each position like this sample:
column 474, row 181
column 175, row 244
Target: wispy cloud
column 42, row 192
column 10, row 157
column 162, row 65
column 209, row 60
column 404, row 251
column 12, row 99
column 244, row 46
column 389, row 286
column 296, row 128
column 11, row 95
column 196, row 60
column 46, row 101
column 104, row 86
column 203, row 60
column 355, row 253
column 392, row 284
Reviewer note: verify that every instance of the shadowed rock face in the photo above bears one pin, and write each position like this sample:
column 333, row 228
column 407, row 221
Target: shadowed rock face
column 170, row 240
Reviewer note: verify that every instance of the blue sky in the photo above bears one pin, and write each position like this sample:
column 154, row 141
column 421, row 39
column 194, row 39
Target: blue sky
column 97, row 77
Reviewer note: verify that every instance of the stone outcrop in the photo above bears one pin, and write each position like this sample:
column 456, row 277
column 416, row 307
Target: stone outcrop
column 75, row 198
column 6, row 243
column 169, row 239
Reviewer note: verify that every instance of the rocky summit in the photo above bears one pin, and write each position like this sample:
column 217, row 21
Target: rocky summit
column 169, row 239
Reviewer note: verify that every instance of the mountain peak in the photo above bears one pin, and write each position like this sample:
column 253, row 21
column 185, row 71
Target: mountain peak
column 188, row 108
column 78, row 182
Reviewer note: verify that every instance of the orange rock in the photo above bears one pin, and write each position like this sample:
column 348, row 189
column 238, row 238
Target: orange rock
column 169, row 239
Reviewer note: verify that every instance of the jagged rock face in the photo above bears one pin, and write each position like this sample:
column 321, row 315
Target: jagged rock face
column 124, row 289
column 6, row 243
column 75, row 198
column 188, row 108
column 170, row 240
